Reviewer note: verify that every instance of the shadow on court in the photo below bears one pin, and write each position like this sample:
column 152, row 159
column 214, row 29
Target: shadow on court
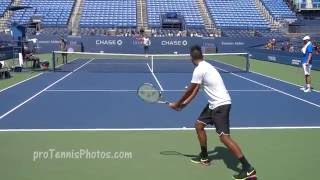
column 219, row 153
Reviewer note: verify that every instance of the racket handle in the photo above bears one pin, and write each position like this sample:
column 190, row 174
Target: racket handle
column 164, row 102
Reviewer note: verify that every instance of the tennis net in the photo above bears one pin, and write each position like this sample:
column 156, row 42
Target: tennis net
column 137, row 63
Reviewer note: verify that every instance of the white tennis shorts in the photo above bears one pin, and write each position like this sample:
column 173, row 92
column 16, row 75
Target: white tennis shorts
column 306, row 68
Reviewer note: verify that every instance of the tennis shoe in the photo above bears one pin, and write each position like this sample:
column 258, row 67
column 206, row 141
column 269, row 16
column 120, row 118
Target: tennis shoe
column 307, row 90
column 201, row 160
column 250, row 174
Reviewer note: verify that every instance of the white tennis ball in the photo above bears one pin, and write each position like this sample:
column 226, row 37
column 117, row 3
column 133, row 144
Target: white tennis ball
column 186, row 87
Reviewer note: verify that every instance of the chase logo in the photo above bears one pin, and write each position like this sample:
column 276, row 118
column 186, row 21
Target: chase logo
column 119, row 42
column 174, row 43
column 109, row 42
column 185, row 43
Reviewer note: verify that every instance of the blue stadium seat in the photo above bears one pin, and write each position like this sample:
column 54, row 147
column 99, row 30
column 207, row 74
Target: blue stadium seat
column 187, row 8
column 279, row 9
column 4, row 4
column 109, row 14
column 236, row 14
column 54, row 13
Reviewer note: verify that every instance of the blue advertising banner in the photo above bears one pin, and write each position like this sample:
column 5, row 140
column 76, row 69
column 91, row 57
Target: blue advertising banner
column 170, row 45
column 283, row 57
column 161, row 45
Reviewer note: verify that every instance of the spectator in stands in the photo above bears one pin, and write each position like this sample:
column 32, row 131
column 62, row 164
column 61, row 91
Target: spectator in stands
column 273, row 44
column 92, row 32
column 179, row 34
column 283, row 47
column 268, row 45
column 287, row 46
column 307, row 62
column 291, row 48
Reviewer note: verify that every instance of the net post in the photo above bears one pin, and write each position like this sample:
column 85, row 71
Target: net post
column 53, row 61
column 247, row 62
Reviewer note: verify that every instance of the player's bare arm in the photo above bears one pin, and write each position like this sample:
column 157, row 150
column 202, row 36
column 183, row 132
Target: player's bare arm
column 187, row 97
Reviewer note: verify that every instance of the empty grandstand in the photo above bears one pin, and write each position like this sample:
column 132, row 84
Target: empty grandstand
column 54, row 13
column 279, row 10
column 4, row 4
column 239, row 14
column 109, row 14
column 186, row 8
column 238, row 18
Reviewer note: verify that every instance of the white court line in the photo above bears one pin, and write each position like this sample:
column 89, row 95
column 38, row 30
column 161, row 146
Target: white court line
column 134, row 90
column 254, row 72
column 155, row 78
column 261, row 84
column 20, row 82
column 46, row 88
column 29, row 79
column 156, row 129
column 281, row 80
column 67, row 63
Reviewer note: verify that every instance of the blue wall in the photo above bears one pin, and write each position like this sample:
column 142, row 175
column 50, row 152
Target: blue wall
column 163, row 45
column 167, row 45
column 282, row 57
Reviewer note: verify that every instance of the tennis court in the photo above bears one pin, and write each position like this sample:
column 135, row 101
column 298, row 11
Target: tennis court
column 91, row 104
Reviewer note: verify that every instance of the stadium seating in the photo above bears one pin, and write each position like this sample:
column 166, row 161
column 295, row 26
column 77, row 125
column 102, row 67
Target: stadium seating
column 278, row 9
column 55, row 13
column 109, row 13
column 236, row 14
column 4, row 4
column 187, row 8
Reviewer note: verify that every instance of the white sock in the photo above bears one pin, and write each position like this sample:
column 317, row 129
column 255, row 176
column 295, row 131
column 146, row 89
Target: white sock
column 308, row 86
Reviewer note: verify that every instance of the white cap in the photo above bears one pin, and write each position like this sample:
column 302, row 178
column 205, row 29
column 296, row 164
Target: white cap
column 306, row 38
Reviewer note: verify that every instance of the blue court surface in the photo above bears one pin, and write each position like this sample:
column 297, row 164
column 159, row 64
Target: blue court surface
column 81, row 99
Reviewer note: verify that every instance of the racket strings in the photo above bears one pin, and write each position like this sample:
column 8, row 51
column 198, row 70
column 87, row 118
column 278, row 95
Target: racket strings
column 149, row 93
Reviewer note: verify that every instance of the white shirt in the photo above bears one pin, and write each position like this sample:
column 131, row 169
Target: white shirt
column 146, row 41
column 212, row 83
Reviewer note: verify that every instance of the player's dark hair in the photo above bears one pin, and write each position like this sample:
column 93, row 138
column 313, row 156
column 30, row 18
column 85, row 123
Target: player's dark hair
column 196, row 52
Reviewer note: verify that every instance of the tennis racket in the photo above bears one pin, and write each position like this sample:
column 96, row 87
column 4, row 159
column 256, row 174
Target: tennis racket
column 149, row 94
